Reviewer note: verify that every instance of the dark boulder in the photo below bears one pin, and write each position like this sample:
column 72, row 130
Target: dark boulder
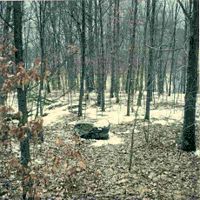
column 91, row 130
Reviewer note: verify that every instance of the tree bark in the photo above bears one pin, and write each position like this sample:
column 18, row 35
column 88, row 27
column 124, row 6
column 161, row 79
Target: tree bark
column 97, row 53
column 90, row 66
column 131, row 55
column 83, row 46
column 150, row 66
column 160, row 58
column 5, row 43
column 21, row 91
column 188, row 134
column 113, row 54
column 144, row 53
column 117, row 81
column 102, row 58
column 172, row 70
column 42, row 22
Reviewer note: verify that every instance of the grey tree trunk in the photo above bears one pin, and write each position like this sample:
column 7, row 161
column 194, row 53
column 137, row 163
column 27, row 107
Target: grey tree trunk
column 90, row 67
column 42, row 22
column 102, row 58
column 97, row 52
column 5, row 43
column 184, row 68
column 83, row 46
column 21, row 91
column 151, row 63
column 132, row 55
column 143, row 60
column 111, row 42
column 160, row 58
column 69, row 41
column 117, row 82
column 172, row 70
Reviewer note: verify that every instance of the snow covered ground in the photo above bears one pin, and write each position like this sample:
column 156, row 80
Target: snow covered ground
column 164, row 111
column 55, row 115
column 116, row 113
column 113, row 139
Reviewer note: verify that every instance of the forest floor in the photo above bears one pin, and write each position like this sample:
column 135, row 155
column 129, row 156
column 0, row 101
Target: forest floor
column 67, row 167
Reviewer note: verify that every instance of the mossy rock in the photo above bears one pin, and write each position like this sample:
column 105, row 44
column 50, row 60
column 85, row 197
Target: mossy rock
column 90, row 130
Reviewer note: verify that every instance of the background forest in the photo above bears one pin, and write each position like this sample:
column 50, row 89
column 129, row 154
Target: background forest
column 129, row 66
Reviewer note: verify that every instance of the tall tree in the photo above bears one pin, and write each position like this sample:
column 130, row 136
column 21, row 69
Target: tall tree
column 150, row 65
column 160, row 55
column 184, row 67
column 144, row 52
column 83, row 46
column 97, row 52
column 188, row 134
column 68, row 24
column 117, row 49
column 5, row 43
column 102, row 57
column 132, row 53
column 172, row 70
column 41, row 29
column 90, row 66
column 21, row 90
column 115, row 53
column 113, row 42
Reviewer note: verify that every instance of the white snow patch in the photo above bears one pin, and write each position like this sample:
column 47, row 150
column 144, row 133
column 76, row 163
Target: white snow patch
column 126, row 132
column 197, row 153
column 115, row 115
column 15, row 148
column 55, row 115
column 101, row 123
column 113, row 139
column 167, row 113
column 38, row 161
column 72, row 123
column 163, row 122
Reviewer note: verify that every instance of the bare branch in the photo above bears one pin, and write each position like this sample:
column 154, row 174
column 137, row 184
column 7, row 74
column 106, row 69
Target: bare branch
column 6, row 21
column 159, row 49
column 183, row 9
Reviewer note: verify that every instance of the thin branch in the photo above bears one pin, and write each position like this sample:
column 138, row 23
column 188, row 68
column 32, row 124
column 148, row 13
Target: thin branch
column 5, row 21
column 158, row 48
column 184, row 10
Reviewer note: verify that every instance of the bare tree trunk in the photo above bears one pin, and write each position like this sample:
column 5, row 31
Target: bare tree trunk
column 150, row 66
column 97, row 53
column 83, row 46
column 117, row 49
column 102, row 58
column 90, row 66
column 42, row 21
column 5, row 43
column 172, row 70
column 143, row 61
column 21, row 92
column 69, row 41
column 131, row 55
column 188, row 135
column 160, row 58
column 184, row 68
column 113, row 53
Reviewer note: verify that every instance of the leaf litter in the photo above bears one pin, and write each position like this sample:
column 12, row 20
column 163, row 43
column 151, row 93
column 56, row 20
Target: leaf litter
column 100, row 168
